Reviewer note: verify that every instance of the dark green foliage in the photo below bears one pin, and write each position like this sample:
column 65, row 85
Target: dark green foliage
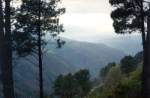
column 118, row 85
column 25, row 33
column 138, row 57
column 125, row 88
column 128, row 64
column 126, row 15
column 128, row 89
column 58, row 86
column 65, row 86
column 34, row 20
column 83, row 80
column 105, row 70
column 138, row 20
column 71, row 86
column 131, row 16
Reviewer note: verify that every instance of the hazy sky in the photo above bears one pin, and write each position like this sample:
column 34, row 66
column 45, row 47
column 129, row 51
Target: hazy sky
column 85, row 19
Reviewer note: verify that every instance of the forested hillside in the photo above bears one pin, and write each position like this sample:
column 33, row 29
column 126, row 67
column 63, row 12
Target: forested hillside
column 120, row 81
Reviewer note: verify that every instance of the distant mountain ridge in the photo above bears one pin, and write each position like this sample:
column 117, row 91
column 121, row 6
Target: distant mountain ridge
column 128, row 43
column 87, row 55
column 71, row 57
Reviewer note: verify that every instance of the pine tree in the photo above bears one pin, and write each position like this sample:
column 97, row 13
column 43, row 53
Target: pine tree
column 40, row 51
column 34, row 20
column 131, row 16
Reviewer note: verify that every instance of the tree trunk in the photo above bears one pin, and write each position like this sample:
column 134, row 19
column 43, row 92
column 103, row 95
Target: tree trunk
column 147, row 62
column 145, row 77
column 7, row 69
column 40, row 53
column 1, row 38
column 1, row 33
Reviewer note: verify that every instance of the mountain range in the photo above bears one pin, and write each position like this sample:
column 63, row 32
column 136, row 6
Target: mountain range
column 73, row 56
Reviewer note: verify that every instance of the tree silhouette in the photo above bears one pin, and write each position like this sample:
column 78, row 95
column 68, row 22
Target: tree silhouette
column 131, row 16
column 1, row 37
column 128, row 64
column 77, row 85
column 65, row 86
column 34, row 20
column 6, row 49
column 83, row 80
column 40, row 51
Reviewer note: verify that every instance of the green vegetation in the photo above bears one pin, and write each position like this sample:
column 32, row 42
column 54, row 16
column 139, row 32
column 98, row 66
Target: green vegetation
column 116, row 81
column 128, row 64
column 105, row 70
column 120, row 80
column 73, row 85
column 132, row 16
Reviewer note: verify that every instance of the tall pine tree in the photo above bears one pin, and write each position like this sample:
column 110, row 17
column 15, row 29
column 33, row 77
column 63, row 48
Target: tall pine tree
column 130, row 16
column 34, row 20
column 40, row 51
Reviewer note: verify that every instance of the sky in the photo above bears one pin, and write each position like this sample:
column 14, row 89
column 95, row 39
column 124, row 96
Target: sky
column 87, row 19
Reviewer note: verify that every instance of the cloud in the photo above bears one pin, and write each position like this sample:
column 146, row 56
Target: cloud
column 84, row 26
column 86, row 6
column 86, row 18
column 91, row 21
